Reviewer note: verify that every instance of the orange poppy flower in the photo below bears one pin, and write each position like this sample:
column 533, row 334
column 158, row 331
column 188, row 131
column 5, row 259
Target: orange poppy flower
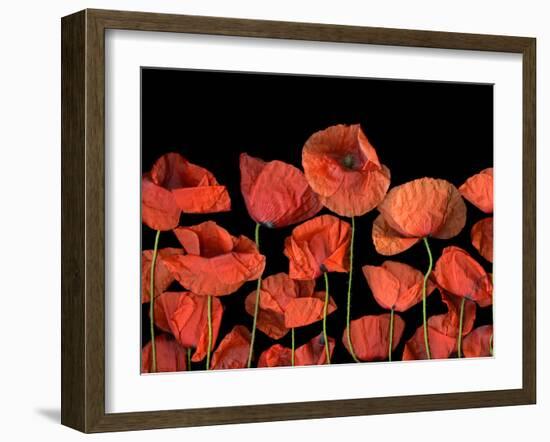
column 396, row 285
column 276, row 193
column 174, row 185
column 442, row 331
column 482, row 238
column 233, row 350
column 461, row 275
column 170, row 355
column 314, row 352
column 285, row 299
column 478, row 189
column 371, row 336
column 478, row 343
column 163, row 276
column 317, row 246
column 342, row 166
column 185, row 315
column 276, row 356
column 216, row 263
column 415, row 210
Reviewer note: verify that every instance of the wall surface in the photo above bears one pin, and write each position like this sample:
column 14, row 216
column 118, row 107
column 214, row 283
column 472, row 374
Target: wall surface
column 30, row 221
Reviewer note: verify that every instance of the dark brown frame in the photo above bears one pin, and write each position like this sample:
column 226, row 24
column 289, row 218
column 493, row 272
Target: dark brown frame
column 83, row 216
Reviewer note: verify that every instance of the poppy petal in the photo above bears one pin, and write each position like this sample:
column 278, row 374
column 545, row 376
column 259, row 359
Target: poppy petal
column 159, row 210
column 441, row 346
column 461, row 275
column 318, row 245
column 482, row 238
column 304, row 311
column 276, row 193
column 388, row 241
column 424, row 207
column 478, row 344
column 170, row 355
column 448, row 324
column 276, row 356
column 396, row 285
column 185, row 315
column 359, row 193
column 314, row 352
column 203, row 199
column 478, row 189
column 233, row 350
column 163, row 276
column 370, row 336
column 271, row 318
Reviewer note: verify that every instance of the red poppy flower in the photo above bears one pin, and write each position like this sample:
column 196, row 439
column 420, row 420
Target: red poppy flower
column 185, row 315
column 482, row 238
column 314, row 352
column 276, row 356
column 276, row 193
column 174, row 185
column 461, row 275
column 170, row 355
column 478, row 189
column 478, row 344
column 282, row 297
column 370, row 336
column 233, row 350
column 396, row 285
column 163, row 276
column 317, row 246
column 442, row 331
column 342, row 166
column 216, row 262
column 415, row 210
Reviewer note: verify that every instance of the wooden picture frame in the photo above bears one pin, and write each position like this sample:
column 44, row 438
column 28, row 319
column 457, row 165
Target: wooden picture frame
column 83, row 220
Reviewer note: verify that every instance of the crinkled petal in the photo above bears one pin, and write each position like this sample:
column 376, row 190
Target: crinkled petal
column 482, row 238
column 314, row 352
column 233, row 350
column 479, row 343
column 461, row 275
column 424, row 207
column 396, row 285
column 478, row 189
column 276, row 356
column 441, row 346
column 203, row 199
column 370, row 336
column 304, row 311
column 318, row 245
column 276, row 193
column 271, row 317
column 159, row 210
column 359, row 192
column 170, row 355
column 388, row 241
column 206, row 239
column 163, row 276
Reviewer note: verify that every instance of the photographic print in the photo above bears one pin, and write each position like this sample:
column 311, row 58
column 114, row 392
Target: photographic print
column 295, row 220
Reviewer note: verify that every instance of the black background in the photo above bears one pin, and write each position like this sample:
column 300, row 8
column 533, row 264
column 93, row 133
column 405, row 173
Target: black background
column 434, row 129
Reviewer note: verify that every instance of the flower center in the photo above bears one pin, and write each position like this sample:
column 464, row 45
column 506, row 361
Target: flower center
column 268, row 224
column 348, row 161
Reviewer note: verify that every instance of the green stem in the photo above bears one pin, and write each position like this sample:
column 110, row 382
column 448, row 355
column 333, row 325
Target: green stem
column 325, row 309
column 292, row 354
column 460, row 325
column 424, row 315
column 209, row 315
column 152, row 305
column 348, row 308
column 257, row 302
column 189, row 359
column 390, row 347
column 491, row 345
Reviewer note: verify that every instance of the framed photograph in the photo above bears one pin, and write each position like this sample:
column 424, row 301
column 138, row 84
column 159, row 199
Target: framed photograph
column 265, row 221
